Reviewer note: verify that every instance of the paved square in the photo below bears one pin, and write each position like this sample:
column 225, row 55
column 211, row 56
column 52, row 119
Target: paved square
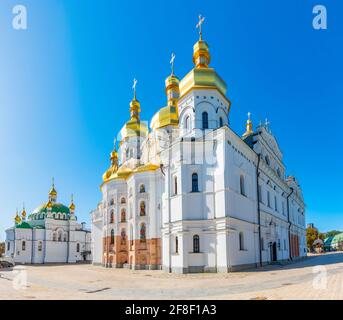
column 318, row 277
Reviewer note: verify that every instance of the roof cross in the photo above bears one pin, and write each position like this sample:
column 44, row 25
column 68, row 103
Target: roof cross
column 199, row 25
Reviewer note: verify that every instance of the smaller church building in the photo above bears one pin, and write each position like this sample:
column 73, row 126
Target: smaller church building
column 50, row 234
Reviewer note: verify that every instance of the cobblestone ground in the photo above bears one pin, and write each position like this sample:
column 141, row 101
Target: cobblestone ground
column 318, row 277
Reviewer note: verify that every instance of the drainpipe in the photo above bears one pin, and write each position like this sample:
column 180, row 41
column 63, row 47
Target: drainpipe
column 289, row 225
column 258, row 207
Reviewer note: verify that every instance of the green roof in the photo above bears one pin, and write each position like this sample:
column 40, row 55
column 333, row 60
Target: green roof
column 56, row 207
column 23, row 225
column 334, row 240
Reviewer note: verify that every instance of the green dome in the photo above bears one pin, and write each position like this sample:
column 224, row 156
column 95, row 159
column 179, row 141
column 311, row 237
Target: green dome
column 56, row 208
column 23, row 225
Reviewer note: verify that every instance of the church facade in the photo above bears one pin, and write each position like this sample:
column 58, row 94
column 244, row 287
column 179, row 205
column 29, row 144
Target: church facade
column 190, row 194
column 50, row 234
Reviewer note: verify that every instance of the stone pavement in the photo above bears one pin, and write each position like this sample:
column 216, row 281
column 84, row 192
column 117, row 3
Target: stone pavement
column 318, row 277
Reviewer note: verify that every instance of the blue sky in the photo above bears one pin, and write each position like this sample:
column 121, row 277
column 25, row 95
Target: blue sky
column 65, row 87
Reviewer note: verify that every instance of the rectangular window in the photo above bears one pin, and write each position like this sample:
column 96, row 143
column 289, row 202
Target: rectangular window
column 275, row 201
column 268, row 199
column 284, row 244
column 283, row 207
column 241, row 241
column 260, row 193
column 8, row 246
column 23, row 246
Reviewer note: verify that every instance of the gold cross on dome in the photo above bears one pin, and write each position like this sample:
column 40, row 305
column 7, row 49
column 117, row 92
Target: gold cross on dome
column 199, row 25
column 172, row 61
column 134, row 86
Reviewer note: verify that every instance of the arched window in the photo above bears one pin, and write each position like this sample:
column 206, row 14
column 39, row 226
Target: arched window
column 112, row 217
column 142, row 188
column 241, row 241
column 196, row 244
column 195, row 182
column 60, row 236
column 278, row 172
column 112, row 236
column 267, row 160
column 131, row 236
column 205, row 120
column 221, row 122
column 123, row 236
column 65, row 237
column 242, row 185
column 77, row 247
column 54, row 237
column 175, row 185
column 176, row 245
column 142, row 209
column 23, row 246
column 40, row 246
column 142, row 233
column 188, row 123
column 111, row 202
column 123, row 200
column 127, row 153
column 123, row 215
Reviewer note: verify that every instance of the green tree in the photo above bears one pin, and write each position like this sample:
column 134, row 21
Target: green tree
column 332, row 233
column 311, row 236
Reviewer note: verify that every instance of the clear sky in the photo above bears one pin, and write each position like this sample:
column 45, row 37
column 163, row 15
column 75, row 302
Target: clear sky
column 65, row 87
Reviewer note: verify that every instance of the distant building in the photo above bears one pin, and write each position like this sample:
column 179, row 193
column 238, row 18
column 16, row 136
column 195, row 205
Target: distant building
column 334, row 243
column 50, row 235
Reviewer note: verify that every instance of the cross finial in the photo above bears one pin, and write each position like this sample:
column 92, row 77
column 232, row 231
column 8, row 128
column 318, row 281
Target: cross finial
column 72, row 198
column 199, row 25
column 249, row 115
column 53, row 182
column 172, row 62
column 266, row 124
column 134, row 87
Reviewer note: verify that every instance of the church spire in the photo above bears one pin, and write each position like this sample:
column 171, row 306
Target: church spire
column 53, row 192
column 172, row 86
column 135, row 107
column 23, row 213
column 17, row 219
column 201, row 55
column 249, row 127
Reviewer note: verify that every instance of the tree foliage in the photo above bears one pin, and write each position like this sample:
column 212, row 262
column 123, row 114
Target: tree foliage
column 332, row 233
column 312, row 234
column 2, row 248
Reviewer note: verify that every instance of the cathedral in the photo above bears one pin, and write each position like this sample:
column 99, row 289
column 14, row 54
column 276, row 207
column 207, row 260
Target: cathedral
column 188, row 194
column 50, row 234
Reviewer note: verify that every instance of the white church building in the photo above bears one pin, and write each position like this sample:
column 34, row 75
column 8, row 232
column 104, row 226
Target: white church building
column 51, row 234
column 190, row 194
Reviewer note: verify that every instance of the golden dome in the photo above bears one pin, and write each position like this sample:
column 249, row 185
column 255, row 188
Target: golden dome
column 17, row 219
column 49, row 204
column 114, row 165
column 23, row 213
column 134, row 127
column 72, row 206
column 201, row 55
column 52, row 192
column 168, row 115
column 249, row 129
column 203, row 77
